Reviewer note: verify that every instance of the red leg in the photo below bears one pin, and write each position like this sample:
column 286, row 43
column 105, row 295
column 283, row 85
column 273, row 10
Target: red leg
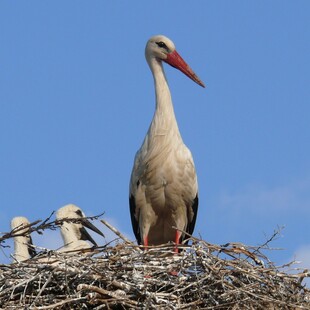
column 177, row 241
column 146, row 241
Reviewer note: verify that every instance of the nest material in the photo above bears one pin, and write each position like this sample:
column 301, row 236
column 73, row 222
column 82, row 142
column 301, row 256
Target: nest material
column 123, row 276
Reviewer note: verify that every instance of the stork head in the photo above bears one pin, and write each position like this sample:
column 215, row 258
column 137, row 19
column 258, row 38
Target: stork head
column 19, row 222
column 163, row 49
column 75, row 231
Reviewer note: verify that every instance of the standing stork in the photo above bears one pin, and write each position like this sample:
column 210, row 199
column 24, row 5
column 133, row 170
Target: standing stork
column 23, row 246
column 163, row 185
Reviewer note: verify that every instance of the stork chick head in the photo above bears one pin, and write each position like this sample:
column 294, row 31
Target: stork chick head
column 19, row 222
column 161, row 48
column 71, row 231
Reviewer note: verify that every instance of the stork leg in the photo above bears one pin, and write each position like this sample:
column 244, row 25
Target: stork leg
column 177, row 240
column 146, row 242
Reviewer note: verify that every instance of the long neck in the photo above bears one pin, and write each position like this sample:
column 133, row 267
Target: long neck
column 69, row 232
column 164, row 121
column 21, row 248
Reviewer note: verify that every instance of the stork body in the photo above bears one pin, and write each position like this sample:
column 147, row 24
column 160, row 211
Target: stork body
column 74, row 235
column 163, row 185
column 23, row 248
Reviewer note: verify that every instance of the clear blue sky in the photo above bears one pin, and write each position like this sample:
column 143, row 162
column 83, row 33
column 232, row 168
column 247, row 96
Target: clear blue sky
column 77, row 97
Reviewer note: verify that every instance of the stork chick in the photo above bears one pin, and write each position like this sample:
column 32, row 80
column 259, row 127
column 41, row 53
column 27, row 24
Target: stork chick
column 23, row 246
column 74, row 235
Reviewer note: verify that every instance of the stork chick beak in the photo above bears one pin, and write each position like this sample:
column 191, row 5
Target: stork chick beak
column 176, row 61
column 85, row 235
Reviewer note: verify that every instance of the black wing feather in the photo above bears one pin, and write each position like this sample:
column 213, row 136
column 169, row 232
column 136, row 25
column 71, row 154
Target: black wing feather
column 134, row 222
column 191, row 225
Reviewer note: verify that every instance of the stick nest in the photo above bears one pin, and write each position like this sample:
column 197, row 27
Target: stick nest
column 124, row 276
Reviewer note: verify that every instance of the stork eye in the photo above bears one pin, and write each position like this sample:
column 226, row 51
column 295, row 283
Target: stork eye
column 79, row 213
column 162, row 44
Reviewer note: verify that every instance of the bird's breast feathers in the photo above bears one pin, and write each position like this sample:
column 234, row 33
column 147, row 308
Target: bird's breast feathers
column 165, row 178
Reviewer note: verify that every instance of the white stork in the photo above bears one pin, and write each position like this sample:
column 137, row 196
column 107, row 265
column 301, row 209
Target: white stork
column 23, row 246
column 74, row 235
column 163, row 186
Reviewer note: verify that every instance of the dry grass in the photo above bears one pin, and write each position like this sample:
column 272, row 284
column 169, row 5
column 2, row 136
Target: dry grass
column 123, row 276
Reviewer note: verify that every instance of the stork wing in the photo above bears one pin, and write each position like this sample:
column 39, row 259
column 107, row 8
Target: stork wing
column 134, row 221
column 192, row 215
column 137, row 171
column 190, row 175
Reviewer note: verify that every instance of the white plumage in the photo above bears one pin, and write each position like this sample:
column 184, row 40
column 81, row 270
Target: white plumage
column 23, row 248
column 163, row 185
column 74, row 235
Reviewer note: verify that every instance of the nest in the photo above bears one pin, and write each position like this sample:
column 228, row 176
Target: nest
column 125, row 276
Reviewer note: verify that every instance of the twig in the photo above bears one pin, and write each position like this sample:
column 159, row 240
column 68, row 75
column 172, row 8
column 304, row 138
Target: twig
column 202, row 275
column 61, row 303
column 119, row 234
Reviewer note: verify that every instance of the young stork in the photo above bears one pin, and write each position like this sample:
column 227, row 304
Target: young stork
column 74, row 235
column 163, row 186
column 23, row 247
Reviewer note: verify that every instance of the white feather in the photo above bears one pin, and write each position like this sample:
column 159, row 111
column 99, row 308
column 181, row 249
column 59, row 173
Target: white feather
column 21, row 243
column 163, row 182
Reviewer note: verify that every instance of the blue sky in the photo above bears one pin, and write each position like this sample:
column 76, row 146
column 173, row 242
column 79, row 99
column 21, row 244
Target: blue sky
column 77, row 97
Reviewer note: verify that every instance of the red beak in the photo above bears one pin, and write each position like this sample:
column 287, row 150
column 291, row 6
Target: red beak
column 176, row 61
